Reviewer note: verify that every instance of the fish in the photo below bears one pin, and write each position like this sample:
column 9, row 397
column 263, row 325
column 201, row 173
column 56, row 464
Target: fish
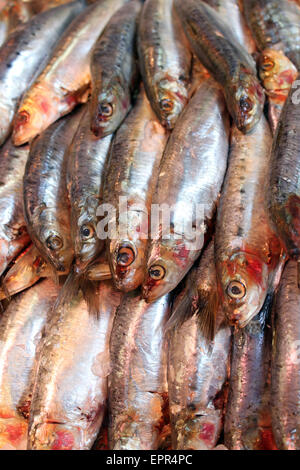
column 138, row 382
column 248, row 252
column 46, row 205
column 275, row 25
column 13, row 233
column 285, row 377
column 190, row 178
column 38, row 6
column 228, row 62
column 70, row 392
column 114, row 70
column 165, row 60
column 197, row 365
column 283, row 185
column 24, row 55
column 12, row 16
column 247, row 423
column 21, row 327
column 65, row 81
column 131, row 176
column 277, row 74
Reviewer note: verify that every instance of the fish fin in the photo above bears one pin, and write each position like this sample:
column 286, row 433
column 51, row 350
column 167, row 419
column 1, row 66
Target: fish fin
column 90, row 294
column 206, row 312
column 68, row 291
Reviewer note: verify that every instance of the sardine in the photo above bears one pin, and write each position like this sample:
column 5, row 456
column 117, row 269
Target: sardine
column 285, row 376
column 247, row 250
column 248, row 415
column 228, row 62
column 70, row 393
column 165, row 60
column 65, row 81
column 114, row 70
column 132, row 174
column 190, row 178
column 38, row 6
column 137, row 383
column 21, row 328
column 13, row 232
column 24, row 55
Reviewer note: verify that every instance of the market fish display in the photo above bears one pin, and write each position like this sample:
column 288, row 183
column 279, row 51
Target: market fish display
column 65, row 81
column 165, row 60
column 138, row 383
column 69, row 399
column 25, row 53
column 228, row 62
column 20, row 332
column 191, row 175
column 247, row 251
column 132, row 172
column 114, row 70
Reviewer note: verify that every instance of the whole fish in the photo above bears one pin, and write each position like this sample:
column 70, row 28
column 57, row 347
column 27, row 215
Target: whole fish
column 65, row 81
column 24, row 55
column 70, row 393
column 46, row 204
column 190, row 178
column 283, row 181
column 137, row 383
column 13, row 233
column 247, row 251
column 165, row 60
column 285, row 375
column 228, row 62
column 275, row 24
column 114, row 70
column 132, row 174
column 247, row 418
column 21, row 328
column 277, row 74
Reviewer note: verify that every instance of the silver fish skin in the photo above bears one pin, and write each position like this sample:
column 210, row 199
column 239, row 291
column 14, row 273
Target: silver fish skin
column 24, row 55
column 114, row 70
column 228, row 62
column 247, row 418
column 13, row 232
column 165, row 60
column 285, row 372
column 137, row 383
column 132, row 172
column 69, row 398
column 85, row 175
column 46, row 205
column 191, row 173
column 21, row 328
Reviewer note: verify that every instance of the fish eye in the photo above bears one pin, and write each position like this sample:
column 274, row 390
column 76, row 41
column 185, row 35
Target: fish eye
column 267, row 64
column 86, row 231
column 54, row 242
column 105, row 109
column 157, row 272
column 23, row 117
column 245, row 104
column 166, row 104
column 125, row 256
column 236, row 290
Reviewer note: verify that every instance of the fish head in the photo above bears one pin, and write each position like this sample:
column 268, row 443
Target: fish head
column 244, row 283
column 109, row 109
column 171, row 99
column 87, row 244
column 246, row 103
column 56, row 245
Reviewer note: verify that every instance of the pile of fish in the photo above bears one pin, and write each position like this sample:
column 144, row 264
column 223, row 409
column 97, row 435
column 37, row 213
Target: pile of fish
column 180, row 121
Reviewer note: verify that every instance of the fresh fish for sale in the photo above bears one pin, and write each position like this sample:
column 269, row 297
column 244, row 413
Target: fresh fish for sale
column 24, row 55
column 285, row 375
column 21, row 328
column 137, row 383
column 247, row 251
column 65, row 81
column 228, row 62
column 70, row 393
column 165, row 60
column 132, row 174
column 190, row 178
column 114, row 70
